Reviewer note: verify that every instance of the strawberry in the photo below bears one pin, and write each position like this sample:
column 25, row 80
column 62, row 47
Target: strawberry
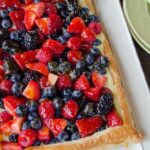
column 42, row 24
column 113, row 119
column 17, row 18
column 55, row 23
column 54, row 46
column 2, row 71
column 82, row 83
column 88, row 36
column 64, row 81
column 74, row 56
column 98, row 80
column 74, row 43
column 5, row 117
column 44, row 134
column 38, row 8
column 27, row 2
column 56, row 125
column 27, row 137
column 70, row 110
column 52, row 78
column 6, row 86
column 93, row 94
column 76, row 26
column 5, row 145
column 32, row 91
column 46, row 109
column 39, row 67
column 12, row 3
column 11, row 103
column 50, row 8
column 88, row 126
column 43, row 82
column 5, row 128
column 29, row 19
column 44, row 55
column 95, row 27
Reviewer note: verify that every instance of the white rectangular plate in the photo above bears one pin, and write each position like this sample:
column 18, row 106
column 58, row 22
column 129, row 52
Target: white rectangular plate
column 133, row 78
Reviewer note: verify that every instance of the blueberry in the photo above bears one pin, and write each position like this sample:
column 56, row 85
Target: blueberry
column 97, row 42
column 17, row 89
column 81, row 65
column 4, row 34
column 95, row 51
column 88, row 74
column 53, row 141
column 13, row 138
column 89, row 59
column 16, row 78
column 26, row 125
column 89, row 109
column 57, row 103
column 60, row 5
column 37, row 1
column 61, row 60
column 93, row 18
column 15, row 35
column 75, row 136
column 36, row 124
column 76, row 94
column 37, row 143
column 53, row 66
column 71, row 127
column 102, row 70
column 58, row 113
column 31, row 116
column 64, row 67
column 84, row 11
column 74, row 74
column 6, row 23
column 103, row 61
column 4, row 13
column 81, row 116
column 21, row 110
column 63, row 137
column 66, row 99
column 1, row 104
column 66, row 92
column 67, row 35
column 62, row 39
column 82, row 103
column 103, row 127
column 64, row 13
column 32, row 106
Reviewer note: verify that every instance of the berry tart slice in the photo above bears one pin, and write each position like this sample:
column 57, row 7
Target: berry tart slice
column 59, row 84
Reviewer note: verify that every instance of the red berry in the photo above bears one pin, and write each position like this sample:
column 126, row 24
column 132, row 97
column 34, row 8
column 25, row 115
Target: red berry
column 95, row 27
column 82, row 83
column 46, row 109
column 88, row 36
column 5, row 145
column 43, row 82
column 70, row 110
column 6, row 86
column 44, row 55
column 2, row 71
column 76, row 26
column 74, row 56
column 5, row 116
column 74, row 43
column 55, row 23
column 93, row 94
column 88, row 126
column 27, row 2
column 64, row 81
column 113, row 119
column 50, row 8
column 105, row 90
column 27, row 138
column 5, row 128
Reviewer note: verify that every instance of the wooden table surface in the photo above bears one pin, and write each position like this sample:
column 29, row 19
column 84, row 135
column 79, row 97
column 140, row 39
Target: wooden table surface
column 144, row 59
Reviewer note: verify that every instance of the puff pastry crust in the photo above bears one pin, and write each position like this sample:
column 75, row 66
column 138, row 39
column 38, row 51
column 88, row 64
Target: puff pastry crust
column 111, row 136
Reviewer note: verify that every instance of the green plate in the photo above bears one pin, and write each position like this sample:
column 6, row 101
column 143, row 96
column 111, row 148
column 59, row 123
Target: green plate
column 137, row 13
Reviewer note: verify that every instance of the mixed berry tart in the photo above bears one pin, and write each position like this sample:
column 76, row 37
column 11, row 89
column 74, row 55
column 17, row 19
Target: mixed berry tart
column 59, row 84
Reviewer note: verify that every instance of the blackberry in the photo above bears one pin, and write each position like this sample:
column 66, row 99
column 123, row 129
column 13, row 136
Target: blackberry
column 26, row 125
column 105, row 105
column 4, row 34
column 6, row 23
column 32, row 106
column 103, row 61
column 36, row 124
column 30, row 40
column 53, row 66
column 63, row 136
column 64, row 67
column 15, row 35
column 89, row 110
column 71, row 127
column 76, row 94
column 75, row 136
column 31, row 116
column 13, row 138
column 67, row 92
column 21, row 110
column 58, row 103
column 17, row 89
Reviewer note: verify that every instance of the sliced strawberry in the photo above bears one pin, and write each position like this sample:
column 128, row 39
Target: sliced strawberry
column 32, row 91
column 44, row 82
column 93, row 94
column 38, row 8
column 55, row 23
column 29, row 19
column 88, row 36
column 44, row 55
column 70, row 110
column 17, row 18
column 76, row 26
column 5, row 145
column 56, row 125
column 98, row 80
column 74, row 43
column 44, row 134
column 42, row 24
column 5, row 117
column 6, row 86
column 50, row 8
column 11, row 103
column 46, row 109
column 54, row 46
column 5, row 128
column 88, row 126
column 52, row 79
column 113, row 119
column 64, row 81
column 27, row 137
column 16, row 125
column 82, row 83
column 95, row 27
column 74, row 56
column 39, row 67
